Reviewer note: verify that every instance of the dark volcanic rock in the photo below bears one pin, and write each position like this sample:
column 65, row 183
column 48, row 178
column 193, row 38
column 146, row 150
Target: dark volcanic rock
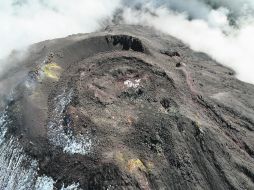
column 128, row 109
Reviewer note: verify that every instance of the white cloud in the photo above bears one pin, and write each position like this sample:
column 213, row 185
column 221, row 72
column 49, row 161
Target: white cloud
column 234, row 50
column 33, row 21
column 37, row 20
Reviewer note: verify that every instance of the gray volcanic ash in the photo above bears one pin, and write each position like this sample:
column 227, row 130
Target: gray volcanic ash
column 125, row 108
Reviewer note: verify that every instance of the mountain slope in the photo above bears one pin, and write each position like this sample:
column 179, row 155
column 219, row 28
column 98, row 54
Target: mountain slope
column 127, row 108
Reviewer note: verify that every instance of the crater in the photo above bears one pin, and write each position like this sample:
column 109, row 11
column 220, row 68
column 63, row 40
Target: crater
column 127, row 43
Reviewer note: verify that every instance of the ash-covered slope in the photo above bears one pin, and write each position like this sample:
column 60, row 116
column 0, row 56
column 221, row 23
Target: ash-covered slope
column 125, row 108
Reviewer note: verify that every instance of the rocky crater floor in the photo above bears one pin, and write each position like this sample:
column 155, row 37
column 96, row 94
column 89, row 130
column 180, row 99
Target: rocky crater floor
column 124, row 108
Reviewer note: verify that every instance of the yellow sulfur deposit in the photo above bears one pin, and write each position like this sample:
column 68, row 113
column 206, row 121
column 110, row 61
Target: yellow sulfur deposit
column 52, row 70
column 136, row 164
column 135, row 167
column 132, row 165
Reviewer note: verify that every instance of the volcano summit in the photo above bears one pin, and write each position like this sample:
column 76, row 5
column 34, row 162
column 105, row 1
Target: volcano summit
column 124, row 108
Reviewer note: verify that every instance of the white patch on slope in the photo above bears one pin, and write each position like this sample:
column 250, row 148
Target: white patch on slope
column 44, row 183
column 80, row 144
column 71, row 187
column 47, row 183
column 132, row 84
column 3, row 128
column 17, row 170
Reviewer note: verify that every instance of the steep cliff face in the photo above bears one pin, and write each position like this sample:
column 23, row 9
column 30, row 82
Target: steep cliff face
column 125, row 108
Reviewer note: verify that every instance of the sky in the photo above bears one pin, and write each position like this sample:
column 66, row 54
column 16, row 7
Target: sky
column 224, row 29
